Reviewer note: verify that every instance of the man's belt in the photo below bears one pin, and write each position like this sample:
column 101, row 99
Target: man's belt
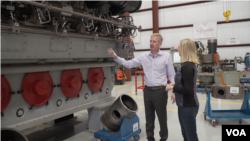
column 155, row 87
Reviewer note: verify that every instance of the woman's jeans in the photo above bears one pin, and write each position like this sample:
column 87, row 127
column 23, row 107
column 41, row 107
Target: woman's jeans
column 187, row 118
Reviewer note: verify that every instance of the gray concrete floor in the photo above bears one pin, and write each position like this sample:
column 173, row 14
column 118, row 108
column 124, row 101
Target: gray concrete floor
column 205, row 130
column 72, row 130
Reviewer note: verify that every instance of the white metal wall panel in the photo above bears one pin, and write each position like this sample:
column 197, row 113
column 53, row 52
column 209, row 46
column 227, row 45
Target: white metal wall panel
column 203, row 12
column 146, row 4
column 171, row 2
column 144, row 40
column 239, row 30
column 143, row 19
column 172, row 37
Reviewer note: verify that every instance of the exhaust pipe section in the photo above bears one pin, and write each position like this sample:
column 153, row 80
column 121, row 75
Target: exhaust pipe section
column 9, row 134
column 66, row 7
column 124, row 106
column 116, row 6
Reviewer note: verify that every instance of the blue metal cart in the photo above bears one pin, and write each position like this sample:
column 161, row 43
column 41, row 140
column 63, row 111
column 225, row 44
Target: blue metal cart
column 243, row 113
column 202, row 89
column 129, row 128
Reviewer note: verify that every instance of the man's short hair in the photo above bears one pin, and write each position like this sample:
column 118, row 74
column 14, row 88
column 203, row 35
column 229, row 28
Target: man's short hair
column 159, row 37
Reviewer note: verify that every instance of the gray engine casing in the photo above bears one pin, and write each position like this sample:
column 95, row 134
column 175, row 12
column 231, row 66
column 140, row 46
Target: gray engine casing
column 38, row 47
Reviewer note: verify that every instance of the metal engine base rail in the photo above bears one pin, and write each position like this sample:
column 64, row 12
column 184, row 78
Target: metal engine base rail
column 243, row 113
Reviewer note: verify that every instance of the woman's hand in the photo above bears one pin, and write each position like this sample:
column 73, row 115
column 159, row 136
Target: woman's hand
column 173, row 98
column 112, row 53
column 169, row 87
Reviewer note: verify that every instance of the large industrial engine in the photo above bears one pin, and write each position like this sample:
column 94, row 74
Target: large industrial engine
column 225, row 84
column 54, row 59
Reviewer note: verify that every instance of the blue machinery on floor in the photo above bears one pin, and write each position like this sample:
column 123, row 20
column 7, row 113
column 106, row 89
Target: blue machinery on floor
column 129, row 128
column 202, row 88
column 243, row 113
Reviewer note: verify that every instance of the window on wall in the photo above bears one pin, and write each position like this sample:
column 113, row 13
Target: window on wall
column 177, row 58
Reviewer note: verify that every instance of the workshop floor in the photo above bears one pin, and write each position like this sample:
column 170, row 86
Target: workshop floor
column 72, row 130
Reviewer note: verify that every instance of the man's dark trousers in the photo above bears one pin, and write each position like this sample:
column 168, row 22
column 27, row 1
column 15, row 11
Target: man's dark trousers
column 156, row 101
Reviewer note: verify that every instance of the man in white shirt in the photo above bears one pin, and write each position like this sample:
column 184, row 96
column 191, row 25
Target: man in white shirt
column 157, row 65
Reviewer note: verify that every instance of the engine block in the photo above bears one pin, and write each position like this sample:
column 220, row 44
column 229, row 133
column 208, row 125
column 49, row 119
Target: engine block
column 54, row 59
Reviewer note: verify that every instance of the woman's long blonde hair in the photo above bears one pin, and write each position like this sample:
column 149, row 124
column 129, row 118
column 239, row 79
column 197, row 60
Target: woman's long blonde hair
column 188, row 51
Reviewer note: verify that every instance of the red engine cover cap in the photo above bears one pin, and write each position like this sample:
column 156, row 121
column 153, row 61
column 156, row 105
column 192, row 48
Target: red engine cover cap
column 5, row 93
column 71, row 81
column 37, row 88
column 41, row 87
column 75, row 82
column 1, row 94
column 95, row 79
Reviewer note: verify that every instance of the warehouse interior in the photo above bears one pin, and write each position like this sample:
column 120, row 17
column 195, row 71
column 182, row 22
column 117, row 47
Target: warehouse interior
column 59, row 83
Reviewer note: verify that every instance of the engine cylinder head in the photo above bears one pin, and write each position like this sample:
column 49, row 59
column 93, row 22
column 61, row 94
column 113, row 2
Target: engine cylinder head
column 124, row 106
column 117, row 7
column 12, row 134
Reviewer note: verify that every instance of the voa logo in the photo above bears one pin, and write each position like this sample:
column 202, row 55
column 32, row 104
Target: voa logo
column 236, row 132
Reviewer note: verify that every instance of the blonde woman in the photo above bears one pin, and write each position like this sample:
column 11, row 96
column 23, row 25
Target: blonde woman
column 184, row 90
